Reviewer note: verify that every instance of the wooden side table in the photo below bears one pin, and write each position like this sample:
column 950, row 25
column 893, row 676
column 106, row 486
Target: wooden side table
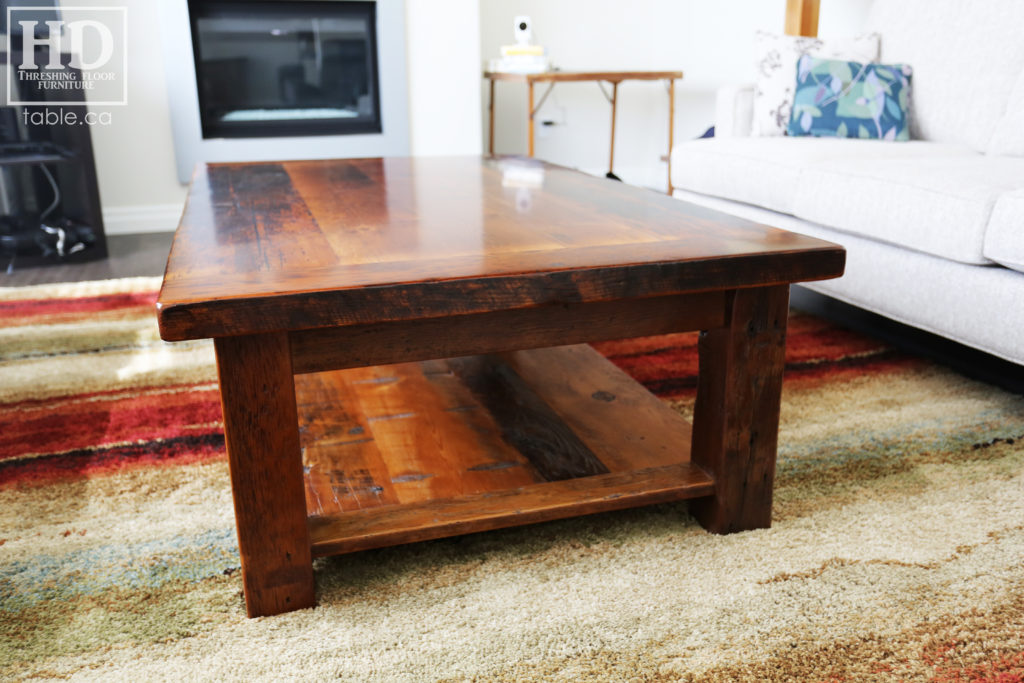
column 613, row 77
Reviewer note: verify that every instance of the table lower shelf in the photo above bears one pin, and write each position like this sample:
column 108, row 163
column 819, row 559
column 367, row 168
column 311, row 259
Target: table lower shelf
column 416, row 451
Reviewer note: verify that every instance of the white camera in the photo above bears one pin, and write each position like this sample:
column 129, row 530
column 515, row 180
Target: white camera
column 524, row 30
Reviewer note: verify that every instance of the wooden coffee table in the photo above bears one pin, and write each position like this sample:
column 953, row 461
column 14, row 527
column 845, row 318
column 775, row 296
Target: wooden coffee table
column 312, row 276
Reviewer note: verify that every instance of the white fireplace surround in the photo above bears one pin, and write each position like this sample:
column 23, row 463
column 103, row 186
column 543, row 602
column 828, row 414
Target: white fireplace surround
column 190, row 148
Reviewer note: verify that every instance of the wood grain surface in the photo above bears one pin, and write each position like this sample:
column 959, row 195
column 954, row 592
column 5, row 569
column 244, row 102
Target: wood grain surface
column 395, row 524
column 437, row 434
column 313, row 244
column 335, row 348
column 261, row 432
column 736, row 417
column 527, row 423
column 623, row 424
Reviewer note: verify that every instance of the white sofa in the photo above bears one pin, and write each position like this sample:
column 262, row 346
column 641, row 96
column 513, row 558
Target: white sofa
column 934, row 227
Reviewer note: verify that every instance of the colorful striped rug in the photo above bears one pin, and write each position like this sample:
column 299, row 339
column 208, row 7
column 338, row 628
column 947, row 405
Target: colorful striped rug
column 896, row 551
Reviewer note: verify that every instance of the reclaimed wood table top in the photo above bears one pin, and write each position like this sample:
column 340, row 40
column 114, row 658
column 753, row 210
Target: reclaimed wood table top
column 266, row 247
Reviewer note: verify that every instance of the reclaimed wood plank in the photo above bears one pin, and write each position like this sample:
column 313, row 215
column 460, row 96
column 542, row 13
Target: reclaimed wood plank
column 526, row 422
column 622, row 423
column 469, row 425
column 736, row 417
column 433, row 450
column 371, row 344
column 504, row 467
column 258, row 224
column 430, row 519
column 262, row 436
column 342, row 464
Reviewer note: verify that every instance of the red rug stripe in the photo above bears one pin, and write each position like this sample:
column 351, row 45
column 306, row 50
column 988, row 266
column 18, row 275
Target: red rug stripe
column 673, row 375
column 100, row 423
column 828, row 344
column 801, row 345
column 668, row 364
column 41, row 308
column 85, row 463
column 39, row 403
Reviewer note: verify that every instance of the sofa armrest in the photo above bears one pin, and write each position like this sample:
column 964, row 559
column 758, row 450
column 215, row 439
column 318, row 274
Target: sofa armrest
column 734, row 111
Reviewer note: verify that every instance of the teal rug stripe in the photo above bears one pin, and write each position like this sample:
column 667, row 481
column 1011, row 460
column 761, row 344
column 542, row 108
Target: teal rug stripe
column 933, row 436
column 142, row 565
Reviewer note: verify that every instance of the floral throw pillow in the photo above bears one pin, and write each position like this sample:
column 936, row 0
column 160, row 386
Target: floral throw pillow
column 850, row 100
column 775, row 58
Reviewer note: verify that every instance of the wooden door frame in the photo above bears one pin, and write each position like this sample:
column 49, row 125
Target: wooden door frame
column 802, row 17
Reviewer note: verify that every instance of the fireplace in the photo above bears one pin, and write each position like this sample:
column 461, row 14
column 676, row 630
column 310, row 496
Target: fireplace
column 285, row 79
column 275, row 69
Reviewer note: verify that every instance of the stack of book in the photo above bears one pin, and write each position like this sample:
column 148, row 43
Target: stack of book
column 521, row 59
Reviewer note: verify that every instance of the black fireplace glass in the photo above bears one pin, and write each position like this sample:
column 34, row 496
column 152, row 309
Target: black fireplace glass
column 285, row 67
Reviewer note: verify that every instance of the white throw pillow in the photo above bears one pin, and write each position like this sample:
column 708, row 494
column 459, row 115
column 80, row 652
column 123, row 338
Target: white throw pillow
column 776, row 58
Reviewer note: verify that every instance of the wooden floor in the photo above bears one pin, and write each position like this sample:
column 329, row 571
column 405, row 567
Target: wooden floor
column 130, row 256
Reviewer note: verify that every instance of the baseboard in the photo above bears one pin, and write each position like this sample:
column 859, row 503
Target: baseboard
column 127, row 220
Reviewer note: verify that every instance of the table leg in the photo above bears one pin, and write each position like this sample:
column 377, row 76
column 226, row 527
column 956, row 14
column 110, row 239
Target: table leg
column 611, row 148
column 261, row 429
column 529, row 123
column 671, row 126
column 490, row 110
column 736, row 418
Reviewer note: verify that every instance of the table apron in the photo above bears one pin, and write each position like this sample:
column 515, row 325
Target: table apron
column 351, row 346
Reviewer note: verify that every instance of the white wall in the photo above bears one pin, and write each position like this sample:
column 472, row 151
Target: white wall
column 709, row 41
column 444, row 75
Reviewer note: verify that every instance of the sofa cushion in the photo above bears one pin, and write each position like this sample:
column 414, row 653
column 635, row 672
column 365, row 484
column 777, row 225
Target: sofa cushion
column 1009, row 135
column 940, row 205
column 775, row 59
column 1004, row 238
column 759, row 170
column 966, row 58
column 835, row 98
column 766, row 171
